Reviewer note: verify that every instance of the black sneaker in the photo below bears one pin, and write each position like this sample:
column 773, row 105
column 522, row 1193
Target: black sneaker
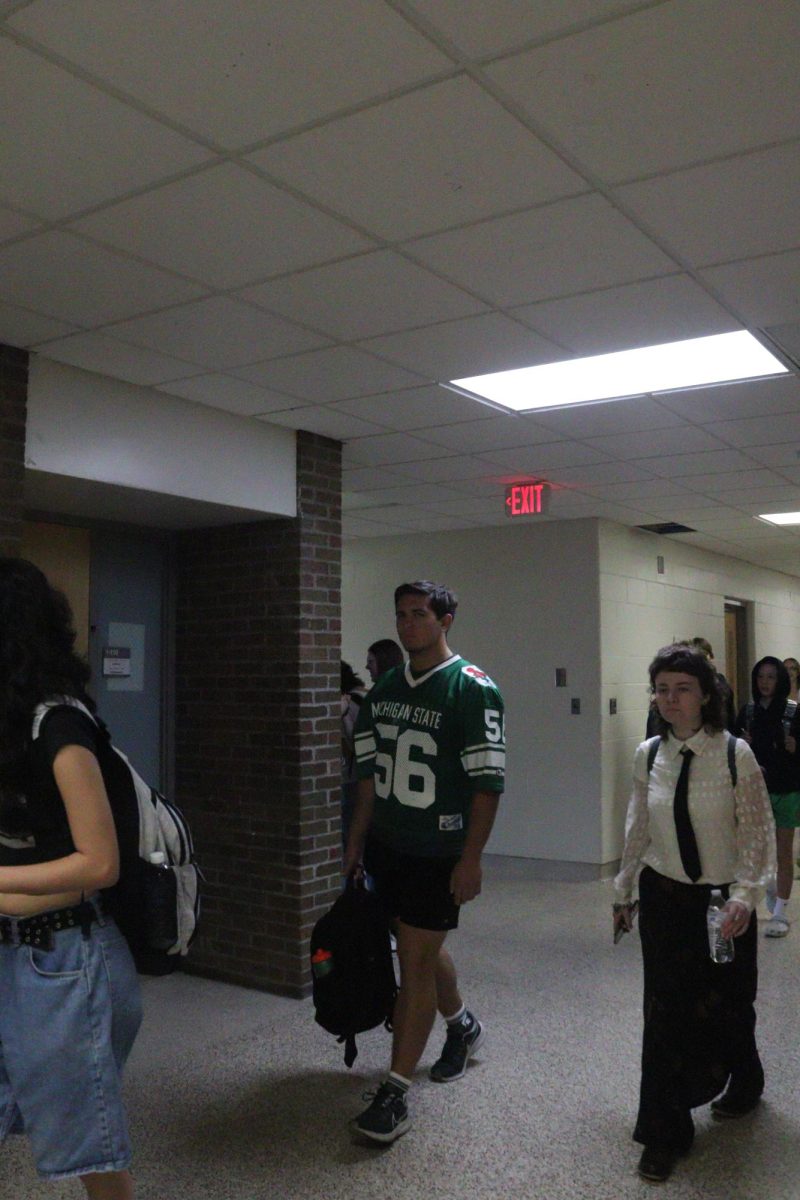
column 461, row 1043
column 387, row 1117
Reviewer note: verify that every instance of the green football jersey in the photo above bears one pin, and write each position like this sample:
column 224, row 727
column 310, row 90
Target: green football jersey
column 430, row 741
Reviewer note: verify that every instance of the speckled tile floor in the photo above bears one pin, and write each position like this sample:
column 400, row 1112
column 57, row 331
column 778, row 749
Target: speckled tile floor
column 236, row 1095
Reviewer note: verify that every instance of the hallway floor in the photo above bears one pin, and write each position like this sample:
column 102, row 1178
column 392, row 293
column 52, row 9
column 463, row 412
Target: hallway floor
column 236, row 1095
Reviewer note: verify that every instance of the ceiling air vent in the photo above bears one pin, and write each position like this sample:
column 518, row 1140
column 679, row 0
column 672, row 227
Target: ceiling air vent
column 667, row 527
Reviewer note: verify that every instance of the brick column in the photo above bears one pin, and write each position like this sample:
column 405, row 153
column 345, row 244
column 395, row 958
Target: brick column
column 257, row 727
column 13, row 403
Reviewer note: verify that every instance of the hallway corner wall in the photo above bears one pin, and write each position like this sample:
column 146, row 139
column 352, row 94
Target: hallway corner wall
column 257, row 727
column 13, row 406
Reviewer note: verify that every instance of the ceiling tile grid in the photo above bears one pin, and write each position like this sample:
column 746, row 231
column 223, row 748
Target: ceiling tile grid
column 311, row 214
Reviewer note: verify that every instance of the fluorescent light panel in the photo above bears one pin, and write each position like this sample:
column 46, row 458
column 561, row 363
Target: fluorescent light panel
column 790, row 518
column 698, row 362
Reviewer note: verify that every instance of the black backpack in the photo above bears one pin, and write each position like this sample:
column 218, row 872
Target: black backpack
column 352, row 968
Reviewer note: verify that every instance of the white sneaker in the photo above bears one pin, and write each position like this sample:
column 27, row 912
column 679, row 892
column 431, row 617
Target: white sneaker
column 777, row 927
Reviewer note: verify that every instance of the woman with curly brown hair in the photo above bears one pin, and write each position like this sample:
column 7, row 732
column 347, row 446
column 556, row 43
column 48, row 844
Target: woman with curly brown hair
column 69, row 995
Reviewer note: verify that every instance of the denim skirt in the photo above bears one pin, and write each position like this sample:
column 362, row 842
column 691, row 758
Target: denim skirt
column 68, row 1019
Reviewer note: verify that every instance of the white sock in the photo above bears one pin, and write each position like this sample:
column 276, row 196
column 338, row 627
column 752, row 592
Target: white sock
column 780, row 909
column 399, row 1081
column 457, row 1017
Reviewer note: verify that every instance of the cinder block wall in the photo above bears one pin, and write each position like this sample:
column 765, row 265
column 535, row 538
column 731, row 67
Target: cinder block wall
column 13, row 401
column 258, row 635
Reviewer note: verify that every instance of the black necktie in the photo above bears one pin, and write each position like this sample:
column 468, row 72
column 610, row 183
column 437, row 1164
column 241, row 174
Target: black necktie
column 687, row 842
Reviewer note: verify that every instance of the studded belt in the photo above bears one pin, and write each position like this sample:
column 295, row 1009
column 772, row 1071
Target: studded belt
column 40, row 930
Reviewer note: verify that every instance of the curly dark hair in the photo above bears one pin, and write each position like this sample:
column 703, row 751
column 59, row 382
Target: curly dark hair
column 689, row 660
column 37, row 652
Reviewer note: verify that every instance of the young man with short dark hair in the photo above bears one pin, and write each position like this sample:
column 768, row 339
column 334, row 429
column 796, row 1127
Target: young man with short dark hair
column 430, row 748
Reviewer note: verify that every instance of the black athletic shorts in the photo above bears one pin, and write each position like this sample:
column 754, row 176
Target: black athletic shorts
column 414, row 890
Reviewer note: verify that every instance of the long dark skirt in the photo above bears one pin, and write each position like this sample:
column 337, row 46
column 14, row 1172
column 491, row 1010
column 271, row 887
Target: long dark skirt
column 699, row 1019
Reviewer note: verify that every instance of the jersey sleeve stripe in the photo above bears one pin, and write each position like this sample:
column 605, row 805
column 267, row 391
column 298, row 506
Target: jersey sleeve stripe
column 484, row 759
column 365, row 747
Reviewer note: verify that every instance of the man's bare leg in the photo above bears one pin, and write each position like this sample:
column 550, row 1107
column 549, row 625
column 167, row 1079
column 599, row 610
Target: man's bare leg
column 418, row 951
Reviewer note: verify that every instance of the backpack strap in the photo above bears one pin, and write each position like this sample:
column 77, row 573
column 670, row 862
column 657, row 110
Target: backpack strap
column 41, row 711
column 732, row 757
column 654, row 742
column 652, row 750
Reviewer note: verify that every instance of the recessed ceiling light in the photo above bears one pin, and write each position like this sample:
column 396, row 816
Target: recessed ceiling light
column 698, row 362
column 790, row 518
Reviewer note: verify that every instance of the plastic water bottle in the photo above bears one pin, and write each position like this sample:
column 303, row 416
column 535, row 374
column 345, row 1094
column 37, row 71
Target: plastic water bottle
column 721, row 948
column 161, row 902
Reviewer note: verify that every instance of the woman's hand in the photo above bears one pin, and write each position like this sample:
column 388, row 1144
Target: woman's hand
column 623, row 915
column 747, row 736
column 736, row 919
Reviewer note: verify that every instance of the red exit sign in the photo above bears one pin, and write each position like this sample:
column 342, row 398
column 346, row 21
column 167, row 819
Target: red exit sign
column 526, row 499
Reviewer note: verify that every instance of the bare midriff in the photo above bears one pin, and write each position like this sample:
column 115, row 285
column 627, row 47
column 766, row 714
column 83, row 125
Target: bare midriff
column 16, row 904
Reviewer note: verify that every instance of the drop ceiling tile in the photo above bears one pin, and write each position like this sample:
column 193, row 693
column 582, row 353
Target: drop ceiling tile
column 365, row 296
column 455, row 470
column 787, row 455
column 763, row 290
column 13, row 224
column 430, row 522
column 661, row 88
column 498, row 433
column 481, row 31
column 338, row 373
column 787, row 337
column 784, row 497
column 685, row 439
column 360, row 527
column 363, row 480
column 712, row 462
column 216, row 332
column 593, row 473
column 223, row 226
column 739, row 208
column 67, row 145
column 755, row 431
column 240, row 71
column 571, row 246
column 322, row 420
column 417, row 408
column 614, row 416
column 23, row 328
column 229, row 394
column 66, row 277
column 755, row 397
column 389, row 449
column 415, row 495
column 462, row 506
column 792, row 473
column 691, row 506
column 734, row 483
column 538, row 460
column 655, row 492
column 638, row 314
column 458, row 349
column 436, row 157
column 107, row 356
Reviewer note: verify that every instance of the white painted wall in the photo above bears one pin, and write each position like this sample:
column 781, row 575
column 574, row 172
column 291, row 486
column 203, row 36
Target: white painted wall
column 89, row 426
column 529, row 602
column 641, row 611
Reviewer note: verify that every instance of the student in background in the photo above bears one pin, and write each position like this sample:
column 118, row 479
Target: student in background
column 353, row 692
column 382, row 656
column 793, row 667
column 769, row 724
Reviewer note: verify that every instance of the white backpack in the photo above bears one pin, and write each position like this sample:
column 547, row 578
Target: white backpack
column 156, row 906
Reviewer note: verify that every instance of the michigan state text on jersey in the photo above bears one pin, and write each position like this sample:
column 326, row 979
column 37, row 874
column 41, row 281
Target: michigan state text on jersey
column 430, row 741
